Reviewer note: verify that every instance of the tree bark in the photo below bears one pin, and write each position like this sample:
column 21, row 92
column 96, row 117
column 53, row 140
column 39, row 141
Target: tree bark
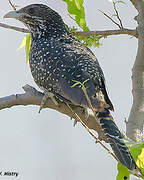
column 34, row 97
column 135, row 123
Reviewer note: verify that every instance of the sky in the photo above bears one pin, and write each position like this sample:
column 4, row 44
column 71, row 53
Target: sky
column 46, row 145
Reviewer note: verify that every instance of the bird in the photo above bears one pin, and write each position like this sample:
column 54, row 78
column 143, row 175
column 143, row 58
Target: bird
column 61, row 66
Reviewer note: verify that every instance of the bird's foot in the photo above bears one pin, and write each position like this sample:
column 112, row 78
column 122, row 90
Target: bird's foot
column 74, row 123
column 47, row 95
column 88, row 112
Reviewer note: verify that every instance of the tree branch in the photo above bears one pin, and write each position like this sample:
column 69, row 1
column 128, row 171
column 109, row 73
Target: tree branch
column 14, row 28
column 134, row 2
column 131, row 32
column 34, row 97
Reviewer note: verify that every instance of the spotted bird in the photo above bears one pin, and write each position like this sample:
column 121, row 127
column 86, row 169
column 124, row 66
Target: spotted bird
column 58, row 61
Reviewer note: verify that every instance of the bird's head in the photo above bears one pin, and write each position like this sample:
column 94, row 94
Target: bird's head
column 38, row 17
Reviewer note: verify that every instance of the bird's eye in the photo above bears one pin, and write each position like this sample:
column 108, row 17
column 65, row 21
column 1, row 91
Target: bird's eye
column 31, row 10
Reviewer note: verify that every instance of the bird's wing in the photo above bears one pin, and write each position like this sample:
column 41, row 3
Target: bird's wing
column 80, row 65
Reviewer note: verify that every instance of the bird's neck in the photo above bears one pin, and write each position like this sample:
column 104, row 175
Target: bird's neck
column 48, row 30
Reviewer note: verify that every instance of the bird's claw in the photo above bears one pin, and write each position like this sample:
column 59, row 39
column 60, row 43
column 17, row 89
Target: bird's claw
column 87, row 112
column 47, row 95
column 74, row 124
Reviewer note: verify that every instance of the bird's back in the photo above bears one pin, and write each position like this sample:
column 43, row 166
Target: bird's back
column 58, row 62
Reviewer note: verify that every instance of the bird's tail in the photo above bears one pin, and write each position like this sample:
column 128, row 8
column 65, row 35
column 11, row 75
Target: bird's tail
column 115, row 139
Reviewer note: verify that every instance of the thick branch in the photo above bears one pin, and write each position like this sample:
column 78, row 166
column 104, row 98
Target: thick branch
column 34, row 97
column 131, row 32
column 136, row 118
column 134, row 2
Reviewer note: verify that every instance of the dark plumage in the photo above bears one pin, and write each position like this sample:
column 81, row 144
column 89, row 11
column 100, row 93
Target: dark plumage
column 57, row 60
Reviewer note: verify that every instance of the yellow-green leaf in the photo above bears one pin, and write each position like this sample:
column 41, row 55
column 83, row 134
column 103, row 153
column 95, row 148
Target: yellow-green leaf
column 140, row 161
column 27, row 47
column 123, row 173
column 137, row 151
column 76, row 8
column 23, row 43
column 26, row 42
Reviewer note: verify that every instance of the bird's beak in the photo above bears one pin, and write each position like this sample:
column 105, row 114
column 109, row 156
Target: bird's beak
column 12, row 14
column 15, row 15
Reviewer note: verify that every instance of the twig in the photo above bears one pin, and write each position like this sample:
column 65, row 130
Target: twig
column 71, row 17
column 110, row 18
column 131, row 32
column 82, row 84
column 117, row 14
column 88, row 130
column 75, row 21
column 14, row 28
column 125, row 120
column 12, row 5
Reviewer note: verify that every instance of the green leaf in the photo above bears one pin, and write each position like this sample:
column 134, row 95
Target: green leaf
column 23, row 43
column 26, row 42
column 76, row 8
column 114, row 15
column 140, row 161
column 27, row 47
column 137, row 151
column 123, row 172
column 87, row 40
